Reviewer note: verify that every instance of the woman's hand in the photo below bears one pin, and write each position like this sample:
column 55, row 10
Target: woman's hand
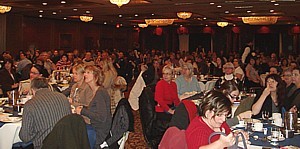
column 293, row 109
column 78, row 109
column 228, row 140
column 171, row 111
column 70, row 100
column 267, row 91
column 245, row 134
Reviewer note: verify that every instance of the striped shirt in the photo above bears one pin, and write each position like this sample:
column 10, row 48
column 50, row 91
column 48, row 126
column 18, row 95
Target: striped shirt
column 40, row 115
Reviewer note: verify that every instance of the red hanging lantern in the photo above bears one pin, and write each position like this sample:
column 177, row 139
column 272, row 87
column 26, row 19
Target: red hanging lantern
column 182, row 30
column 236, row 29
column 158, row 31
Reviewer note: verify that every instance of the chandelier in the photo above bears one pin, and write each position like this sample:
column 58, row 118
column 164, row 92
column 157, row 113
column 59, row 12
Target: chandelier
column 119, row 2
column 260, row 20
column 159, row 22
column 86, row 18
column 4, row 9
column 184, row 15
column 222, row 24
column 143, row 25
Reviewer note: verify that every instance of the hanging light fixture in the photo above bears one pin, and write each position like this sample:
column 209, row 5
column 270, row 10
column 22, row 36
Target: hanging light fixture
column 119, row 2
column 260, row 20
column 143, row 25
column 159, row 22
column 222, row 24
column 4, row 9
column 86, row 18
column 184, row 15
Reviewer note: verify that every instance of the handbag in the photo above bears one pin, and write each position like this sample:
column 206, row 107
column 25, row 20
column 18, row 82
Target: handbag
column 235, row 146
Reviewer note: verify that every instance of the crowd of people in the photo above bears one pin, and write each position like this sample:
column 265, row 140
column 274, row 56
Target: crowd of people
column 99, row 79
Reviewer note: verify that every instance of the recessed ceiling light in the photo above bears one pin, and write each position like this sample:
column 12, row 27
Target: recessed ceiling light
column 63, row 2
column 54, row 13
column 219, row 6
column 120, row 16
column 248, row 11
column 206, row 25
column 276, row 4
column 134, row 26
column 75, row 9
column 105, row 23
column 234, row 25
column 226, row 11
column 87, row 11
column 121, row 24
column 65, row 18
column 152, row 14
column 136, row 15
column 273, row 1
column 204, row 18
column 243, row 7
column 44, row 3
column 271, row 10
column 181, row 25
column 40, row 16
column 41, row 11
column 211, row 3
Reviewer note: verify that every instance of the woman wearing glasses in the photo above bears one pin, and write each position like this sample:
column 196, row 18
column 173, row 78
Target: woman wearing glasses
column 271, row 98
column 213, row 111
column 230, row 88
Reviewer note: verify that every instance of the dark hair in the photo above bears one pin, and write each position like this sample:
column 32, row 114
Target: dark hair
column 38, row 83
column 280, row 88
column 41, row 70
column 9, row 60
column 229, row 86
column 214, row 101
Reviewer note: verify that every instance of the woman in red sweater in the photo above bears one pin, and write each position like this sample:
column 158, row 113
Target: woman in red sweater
column 213, row 111
column 167, row 99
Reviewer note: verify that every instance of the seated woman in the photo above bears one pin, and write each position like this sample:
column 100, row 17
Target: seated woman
column 253, row 79
column 271, row 98
column 63, row 63
column 230, row 88
column 98, row 111
column 228, row 69
column 213, row 111
column 8, row 79
column 187, row 82
column 167, row 99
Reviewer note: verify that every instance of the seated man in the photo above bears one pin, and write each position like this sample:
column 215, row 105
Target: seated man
column 42, row 112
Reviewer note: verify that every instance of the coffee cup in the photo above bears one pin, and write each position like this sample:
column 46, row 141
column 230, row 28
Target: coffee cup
column 202, row 77
column 278, row 122
column 64, row 81
column 258, row 126
column 276, row 115
column 241, row 123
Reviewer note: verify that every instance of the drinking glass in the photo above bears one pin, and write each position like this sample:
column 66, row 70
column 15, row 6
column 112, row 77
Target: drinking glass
column 275, row 134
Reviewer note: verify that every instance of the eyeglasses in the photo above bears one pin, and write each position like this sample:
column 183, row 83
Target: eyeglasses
column 167, row 74
column 295, row 75
column 224, row 114
column 271, row 81
column 288, row 75
column 35, row 73
column 234, row 97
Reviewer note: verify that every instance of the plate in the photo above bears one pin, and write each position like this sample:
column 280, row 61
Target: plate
column 240, row 126
column 8, row 106
column 10, row 119
column 280, row 139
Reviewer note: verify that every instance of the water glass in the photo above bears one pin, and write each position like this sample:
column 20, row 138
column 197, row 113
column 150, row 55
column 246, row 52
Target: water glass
column 275, row 134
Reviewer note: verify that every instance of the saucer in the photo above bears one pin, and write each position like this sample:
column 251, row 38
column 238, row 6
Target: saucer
column 280, row 139
column 240, row 126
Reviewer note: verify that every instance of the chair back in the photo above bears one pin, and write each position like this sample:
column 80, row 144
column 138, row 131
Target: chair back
column 173, row 138
column 68, row 133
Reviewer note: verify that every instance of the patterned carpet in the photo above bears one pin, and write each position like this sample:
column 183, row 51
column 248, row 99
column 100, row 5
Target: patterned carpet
column 136, row 139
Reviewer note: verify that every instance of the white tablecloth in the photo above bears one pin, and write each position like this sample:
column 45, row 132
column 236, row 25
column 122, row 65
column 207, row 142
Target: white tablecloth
column 9, row 134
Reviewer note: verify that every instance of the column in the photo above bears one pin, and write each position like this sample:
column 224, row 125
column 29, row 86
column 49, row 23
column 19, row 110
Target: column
column 2, row 32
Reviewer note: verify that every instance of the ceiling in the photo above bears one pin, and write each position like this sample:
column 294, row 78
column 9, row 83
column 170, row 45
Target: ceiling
column 205, row 12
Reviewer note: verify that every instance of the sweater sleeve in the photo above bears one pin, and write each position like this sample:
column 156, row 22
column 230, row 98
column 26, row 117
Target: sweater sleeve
column 232, row 121
column 99, row 100
column 159, row 96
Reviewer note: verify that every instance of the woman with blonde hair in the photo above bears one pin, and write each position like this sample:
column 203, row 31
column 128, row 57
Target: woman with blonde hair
column 187, row 82
column 98, row 110
column 110, row 75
